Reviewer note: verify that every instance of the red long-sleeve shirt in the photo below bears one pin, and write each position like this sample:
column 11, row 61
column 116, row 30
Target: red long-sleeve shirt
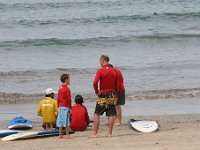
column 107, row 77
column 80, row 118
column 64, row 96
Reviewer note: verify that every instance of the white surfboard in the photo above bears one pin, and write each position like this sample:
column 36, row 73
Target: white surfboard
column 144, row 125
column 20, row 136
column 32, row 134
column 91, row 124
column 20, row 126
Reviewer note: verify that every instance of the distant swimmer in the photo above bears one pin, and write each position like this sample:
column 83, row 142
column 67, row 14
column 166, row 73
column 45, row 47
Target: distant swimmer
column 155, row 13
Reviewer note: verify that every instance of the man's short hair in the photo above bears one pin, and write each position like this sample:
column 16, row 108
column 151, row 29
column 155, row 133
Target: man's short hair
column 111, row 65
column 105, row 57
column 78, row 99
column 64, row 77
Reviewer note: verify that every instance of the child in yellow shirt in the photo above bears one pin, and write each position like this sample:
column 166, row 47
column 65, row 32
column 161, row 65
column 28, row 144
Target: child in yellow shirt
column 48, row 109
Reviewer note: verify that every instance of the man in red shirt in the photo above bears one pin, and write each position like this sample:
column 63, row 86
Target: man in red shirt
column 106, row 77
column 79, row 117
column 120, row 96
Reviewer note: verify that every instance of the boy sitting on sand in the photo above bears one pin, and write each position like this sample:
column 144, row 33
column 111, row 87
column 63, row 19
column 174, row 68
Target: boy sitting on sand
column 79, row 117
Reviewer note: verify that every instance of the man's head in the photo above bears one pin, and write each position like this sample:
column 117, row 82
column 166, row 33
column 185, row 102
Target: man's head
column 49, row 92
column 78, row 99
column 104, row 59
column 65, row 78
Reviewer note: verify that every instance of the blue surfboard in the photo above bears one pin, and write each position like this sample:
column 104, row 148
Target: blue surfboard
column 19, row 123
column 7, row 132
column 52, row 132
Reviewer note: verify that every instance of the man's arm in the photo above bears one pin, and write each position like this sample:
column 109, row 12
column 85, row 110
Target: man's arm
column 39, row 112
column 87, row 118
column 116, row 81
column 56, row 108
column 95, row 82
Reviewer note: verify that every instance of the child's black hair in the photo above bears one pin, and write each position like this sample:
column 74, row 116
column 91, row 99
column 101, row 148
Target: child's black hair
column 78, row 99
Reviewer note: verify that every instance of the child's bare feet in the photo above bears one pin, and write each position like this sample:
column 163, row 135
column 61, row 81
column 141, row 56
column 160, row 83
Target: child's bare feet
column 60, row 137
column 67, row 136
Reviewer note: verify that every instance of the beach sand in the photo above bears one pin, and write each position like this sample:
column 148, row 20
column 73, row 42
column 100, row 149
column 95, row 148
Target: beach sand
column 176, row 132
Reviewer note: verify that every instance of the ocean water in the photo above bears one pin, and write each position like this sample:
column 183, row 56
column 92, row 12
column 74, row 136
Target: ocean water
column 155, row 43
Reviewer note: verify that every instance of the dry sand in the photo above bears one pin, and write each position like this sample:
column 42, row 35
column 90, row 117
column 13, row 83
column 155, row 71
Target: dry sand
column 177, row 132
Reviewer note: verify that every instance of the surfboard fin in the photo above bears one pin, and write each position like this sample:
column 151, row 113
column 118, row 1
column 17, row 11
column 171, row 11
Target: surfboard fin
column 133, row 120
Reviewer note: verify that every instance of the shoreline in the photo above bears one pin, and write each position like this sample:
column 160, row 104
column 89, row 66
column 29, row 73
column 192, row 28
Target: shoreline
column 136, row 108
column 175, row 132
column 20, row 98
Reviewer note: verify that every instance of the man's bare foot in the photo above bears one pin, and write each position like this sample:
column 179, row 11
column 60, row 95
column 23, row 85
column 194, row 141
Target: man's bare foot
column 109, row 135
column 117, row 124
column 94, row 136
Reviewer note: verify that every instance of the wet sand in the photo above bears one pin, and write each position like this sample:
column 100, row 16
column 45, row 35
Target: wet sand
column 131, row 108
column 176, row 132
column 179, row 121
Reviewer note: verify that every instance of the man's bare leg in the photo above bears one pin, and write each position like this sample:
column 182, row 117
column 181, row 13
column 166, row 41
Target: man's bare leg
column 119, row 115
column 96, row 125
column 111, row 121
